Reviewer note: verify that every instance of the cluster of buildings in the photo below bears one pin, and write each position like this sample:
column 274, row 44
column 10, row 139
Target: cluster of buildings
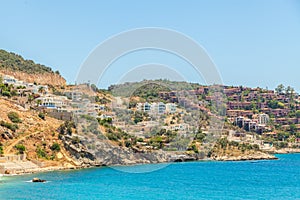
column 241, row 104
column 72, row 102
column 24, row 88
column 258, row 124
column 157, row 108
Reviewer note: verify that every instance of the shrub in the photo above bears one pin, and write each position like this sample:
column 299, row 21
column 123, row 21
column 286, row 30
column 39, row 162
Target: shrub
column 55, row 147
column 21, row 148
column 1, row 150
column 6, row 93
column 200, row 136
column 112, row 136
column 194, row 148
column 128, row 143
column 41, row 153
column 42, row 115
column 14, row 117
column 256, row 147
column 10, row 126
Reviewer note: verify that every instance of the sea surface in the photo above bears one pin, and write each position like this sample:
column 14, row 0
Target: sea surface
column 279, row 179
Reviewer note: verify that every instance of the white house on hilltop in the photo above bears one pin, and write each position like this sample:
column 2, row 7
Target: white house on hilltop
column 53, row 102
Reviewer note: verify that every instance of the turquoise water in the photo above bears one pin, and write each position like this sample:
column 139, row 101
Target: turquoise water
column 196, row 180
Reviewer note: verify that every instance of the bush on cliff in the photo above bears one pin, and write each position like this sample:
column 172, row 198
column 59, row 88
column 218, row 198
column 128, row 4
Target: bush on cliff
column 14, row 117
column 55, row 147
column 21, row 148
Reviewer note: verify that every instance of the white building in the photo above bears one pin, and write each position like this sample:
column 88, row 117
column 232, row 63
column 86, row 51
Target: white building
column 158, row 108
column 171, row 108
column 263, row 119
column 155, row 108
column 54, row 102
column 9, row 80
column 144, row 107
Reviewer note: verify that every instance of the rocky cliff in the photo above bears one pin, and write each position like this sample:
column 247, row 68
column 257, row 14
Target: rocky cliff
column 105, row 154
column 45, row 78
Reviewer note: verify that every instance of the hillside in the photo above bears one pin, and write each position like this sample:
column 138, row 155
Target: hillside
column 151, row 121
column 27, row 70
column 140, row 88
column 27, row 132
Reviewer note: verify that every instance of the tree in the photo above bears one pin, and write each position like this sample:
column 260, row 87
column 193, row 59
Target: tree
column 288, row 90
column 30, row 98
column 274, row 104
column 293, row 128
column 280, row 88
column 292, row 93
column 298, row 113
column 38, row 102
column 94, row 88
column 41, row 90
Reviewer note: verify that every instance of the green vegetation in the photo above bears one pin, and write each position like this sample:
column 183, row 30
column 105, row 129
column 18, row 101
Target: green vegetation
column 14, row 117
column 87, row 117
column 200, row 136
column 279, row 89
column 149, row 88
column 150, row 91
column 279, row 145
column 55, row 147
column 10, row 126
column 16, row 62
column 105, row 122
column 224, row 144
column 156, row 142
column 7, row 90
column 21, row 148
column 66, row 128
column 274, row 104
column 116, row 134
column 41, row 115
column 1, row 149
column 297, row 113
column 193, row 148
column 41, row 153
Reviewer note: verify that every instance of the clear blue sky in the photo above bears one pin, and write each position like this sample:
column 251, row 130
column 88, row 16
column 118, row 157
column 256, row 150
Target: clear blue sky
column 253, row 43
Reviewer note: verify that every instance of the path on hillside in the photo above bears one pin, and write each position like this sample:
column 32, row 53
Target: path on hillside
column 14, row 143
column 9, row 147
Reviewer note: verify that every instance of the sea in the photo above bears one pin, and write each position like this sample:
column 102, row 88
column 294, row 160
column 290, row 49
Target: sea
column 276, row 179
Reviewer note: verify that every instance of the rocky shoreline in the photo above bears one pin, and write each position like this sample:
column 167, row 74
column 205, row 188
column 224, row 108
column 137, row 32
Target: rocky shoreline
column 181, row 158
column 284, row 151
column 257, row 156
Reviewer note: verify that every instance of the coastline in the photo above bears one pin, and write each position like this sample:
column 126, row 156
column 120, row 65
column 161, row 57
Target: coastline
column 256, row 157
column 253, row 157
column 284, row 151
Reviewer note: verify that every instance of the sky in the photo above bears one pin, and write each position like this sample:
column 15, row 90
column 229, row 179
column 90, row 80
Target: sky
column 252, row 43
